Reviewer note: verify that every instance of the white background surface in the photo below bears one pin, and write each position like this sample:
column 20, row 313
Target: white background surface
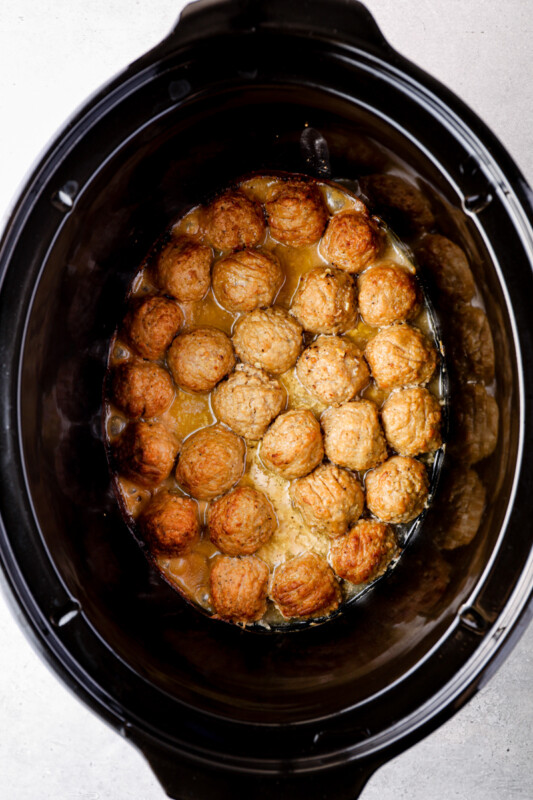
column 53, row 53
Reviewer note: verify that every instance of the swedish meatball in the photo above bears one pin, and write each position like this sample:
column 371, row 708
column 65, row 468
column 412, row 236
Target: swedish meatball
column 411, row 420
column 233, row 221
column 363, row 553
column 183, row 269
column 151, row 324
column 352, row 241
column 330, row 499
column 296, row 213
column 449, row 267
column 246, row 280
column 471, row 345
column 399, row 356
column 475, row 423
column 325, row 301
column 248, row 401
column 211, row 462
column 239, row 588
column 305, row 586
column 292, row 446
column 141, row 388
column 402, row 205
column 146, row 452
column 352, row 435
column 397, row 490
column 268, row 338
column 241, row 522
column 170, row 524
column 462, row 505
column 387, row 294
column 199, row 359
column 332, row 369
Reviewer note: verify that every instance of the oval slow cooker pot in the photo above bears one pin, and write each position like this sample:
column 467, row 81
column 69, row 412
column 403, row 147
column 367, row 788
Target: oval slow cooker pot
column 241, row 86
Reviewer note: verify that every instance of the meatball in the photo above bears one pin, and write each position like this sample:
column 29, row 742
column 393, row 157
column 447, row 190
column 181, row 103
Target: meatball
column 475, row 424
column 471, row 345
column 183, row 269
column 239, row 588
column 241, row 522
column 146, row 452
column 332, row 369
column 247, row 280
column 330, row 499
column 305, row 586
column 411, row 420
column 403, row 206
column 397, row 490
column 462, row 503
column 268, row 338
column 211, row 462
column 387, row 294
column 200, row 359
column 141, row 389
column 399, row 356
column 292, row 446
column 449, row 267
column 248, row 401
column 352, row 241
column 364, row 552
column 352, row 435
column 170, row 524
column 325, row 301
column 296, row 213
column 233, row 221
column 151, row 324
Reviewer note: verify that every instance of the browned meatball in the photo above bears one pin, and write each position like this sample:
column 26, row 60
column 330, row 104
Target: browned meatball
column 475, row 423
column 330, row 499
column 268, row 338
column 200, row 359
column 239, row 588
column 352, row 435
column 211, row 462
column 305, row 586
column 463, row 503
column 449, row 266
column 151, row 324
column 247, row 280
column 402, row 205
column 387, row 294
column 241, row 522
column 411, row 420
column 141, row 389
column 233, row 221
column 352, row 241
column 296, row 213
column 332, row 369
column 399, row 356
column 170, row 524
column 248, row 401
column 183, row 269
column 364, row 552
column 397, row 490
column 146, row 452
column 471, row 345
column 292, row 446
column 325, row 301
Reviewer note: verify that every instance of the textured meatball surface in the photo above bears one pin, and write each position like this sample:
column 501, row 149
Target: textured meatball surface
column 471, row 345
column 246, row 280
column 401, row 204
column 325, row 301
column 305, row 586
column 239, row 588
column 170, row 524
column 296, row 213
column 200, row 359
column 353, row 436
column 151, row 324
column 352, row 241
column 387, row 294
column 400, row 356
column 397, row 490
column 183, row 269
column 411, row 420
column 475, row 419
column 330, row 499
column 366, row 549
column 332, row 369
column 463, row 503
column 241, row 522
column 211, row 462
column 292, row 446
column 248, row 401
column 449, row 267
column 146, row 452
column 268, row 338
column 233, row 221
column 141, row 388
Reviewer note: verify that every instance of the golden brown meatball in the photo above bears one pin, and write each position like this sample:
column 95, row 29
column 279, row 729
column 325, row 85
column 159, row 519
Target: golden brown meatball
column 151, row 324
column 141, row 389
column 471, row 345
column 330, row 499
column 332, row 369
column 247, row 280
column 325, row 301
column 397, row 490
column 248, row 401
column 463, row 503
column 241, row 521
column 449, row 267
column 352, row 241
column 305, row 586
column 198, row 360
column 400, row 356
column 268, row 338
column 296, row 213
column 411, row 420
column 401, row 204
column 364, row 552
column 292, row 446
column 387, row 294
column 352, row 435
column 239, row 588
column 211, row 462
column 233, row 221
column 183, row 269
column 170, row 524
column 475, row 423
column 146, row 452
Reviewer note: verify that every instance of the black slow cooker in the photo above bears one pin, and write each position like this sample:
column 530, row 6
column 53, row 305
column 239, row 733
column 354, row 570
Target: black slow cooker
column 306, row 87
